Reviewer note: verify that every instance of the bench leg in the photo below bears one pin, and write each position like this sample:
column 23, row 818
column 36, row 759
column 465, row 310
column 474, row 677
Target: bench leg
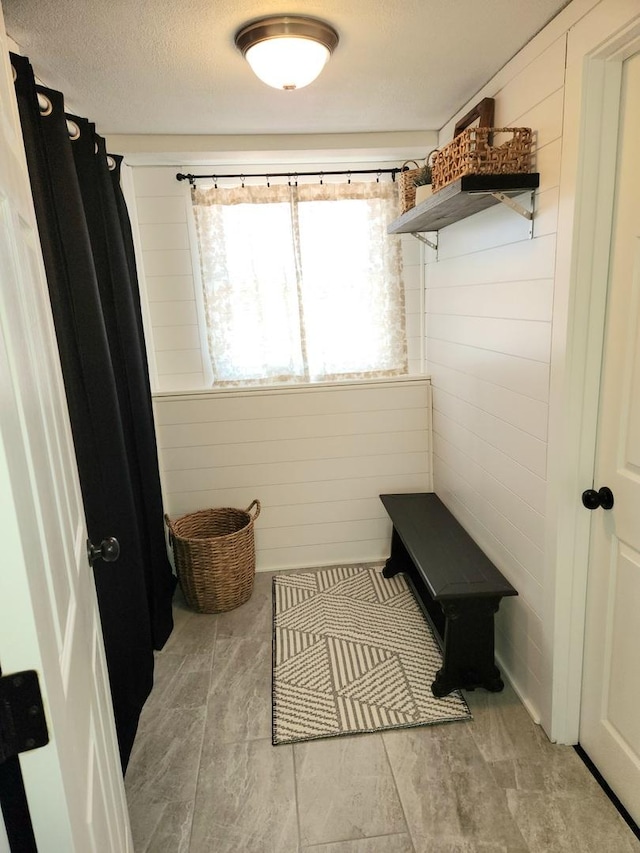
column 468, row 654
column 399, row 560
column 390, row 569
column 442, row 685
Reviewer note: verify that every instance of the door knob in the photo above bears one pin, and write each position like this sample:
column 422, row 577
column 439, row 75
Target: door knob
column 603, row 497
column 108, row 550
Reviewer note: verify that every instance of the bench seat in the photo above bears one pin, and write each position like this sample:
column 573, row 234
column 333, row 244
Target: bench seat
column 459, row 588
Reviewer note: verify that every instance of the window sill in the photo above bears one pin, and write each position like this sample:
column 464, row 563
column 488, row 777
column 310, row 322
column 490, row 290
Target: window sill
column 310, row 388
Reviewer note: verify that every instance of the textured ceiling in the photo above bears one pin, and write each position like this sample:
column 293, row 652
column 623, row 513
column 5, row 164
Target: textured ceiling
column 166, row 67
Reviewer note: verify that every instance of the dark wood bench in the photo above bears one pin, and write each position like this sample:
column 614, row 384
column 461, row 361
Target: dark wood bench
column 456, row 583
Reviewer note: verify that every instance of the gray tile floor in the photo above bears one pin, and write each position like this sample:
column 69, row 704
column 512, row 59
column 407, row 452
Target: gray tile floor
column 204, row 777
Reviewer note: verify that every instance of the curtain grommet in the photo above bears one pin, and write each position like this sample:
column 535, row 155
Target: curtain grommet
column 74, row 129
column 46, row 107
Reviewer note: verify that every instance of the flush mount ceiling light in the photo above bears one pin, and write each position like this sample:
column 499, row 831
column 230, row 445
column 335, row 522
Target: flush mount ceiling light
column 287, row 51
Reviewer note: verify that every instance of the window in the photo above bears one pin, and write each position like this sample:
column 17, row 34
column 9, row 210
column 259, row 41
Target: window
column 301, row 283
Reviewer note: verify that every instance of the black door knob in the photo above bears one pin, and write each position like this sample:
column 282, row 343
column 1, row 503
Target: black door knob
column 108, row 550
column 603, row 497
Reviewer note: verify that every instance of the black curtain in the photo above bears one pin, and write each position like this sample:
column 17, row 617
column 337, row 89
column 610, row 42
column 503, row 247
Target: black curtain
column 88, row 254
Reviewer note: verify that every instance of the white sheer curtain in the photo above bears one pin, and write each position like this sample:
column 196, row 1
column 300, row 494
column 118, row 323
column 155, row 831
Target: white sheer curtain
column 301, row 284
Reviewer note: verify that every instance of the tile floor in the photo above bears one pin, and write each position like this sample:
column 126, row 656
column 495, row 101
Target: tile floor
column 204, row 777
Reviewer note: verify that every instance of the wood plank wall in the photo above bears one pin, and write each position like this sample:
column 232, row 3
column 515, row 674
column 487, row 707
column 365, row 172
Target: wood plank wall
column 316, row 457
column 488, row 321
column 168, row 277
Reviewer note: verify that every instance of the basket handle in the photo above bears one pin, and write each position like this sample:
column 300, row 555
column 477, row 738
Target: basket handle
column 255, row 503
column 170, row 527
column 427, row 161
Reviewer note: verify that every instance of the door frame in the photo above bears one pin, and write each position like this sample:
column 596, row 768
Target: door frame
column 590, row 142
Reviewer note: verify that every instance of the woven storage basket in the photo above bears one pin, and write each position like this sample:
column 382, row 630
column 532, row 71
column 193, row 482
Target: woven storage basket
column 407, row 187
column 472, row 153
column 215, row 558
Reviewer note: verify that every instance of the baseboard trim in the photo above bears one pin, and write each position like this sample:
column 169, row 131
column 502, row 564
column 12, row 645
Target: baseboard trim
column 506, row 673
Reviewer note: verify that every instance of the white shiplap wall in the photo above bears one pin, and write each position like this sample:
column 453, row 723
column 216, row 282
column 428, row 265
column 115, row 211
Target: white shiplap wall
column 317, row 459
column 489, row 298
column 170, row 277
column 167, row 278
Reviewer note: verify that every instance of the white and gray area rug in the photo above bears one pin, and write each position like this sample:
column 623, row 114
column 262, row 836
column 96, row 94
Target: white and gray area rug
column 352, row 652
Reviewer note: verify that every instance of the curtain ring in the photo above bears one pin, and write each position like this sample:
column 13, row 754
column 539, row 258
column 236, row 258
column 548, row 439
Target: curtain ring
column 321, row 178
column 14, row 73
column 295, row 176
column 73, row 130
column 111, row 163
column 378, row 178
column 348, row 177
column 242, row 180
column 267, row 177
column 46, row 107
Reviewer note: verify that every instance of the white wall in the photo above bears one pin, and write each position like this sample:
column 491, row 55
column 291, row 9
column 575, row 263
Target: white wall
column 489, row 298
column 162, row 206
column 316, row 457
column 500, row 333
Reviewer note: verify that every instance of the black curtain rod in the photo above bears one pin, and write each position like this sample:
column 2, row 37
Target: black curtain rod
column 320, row 174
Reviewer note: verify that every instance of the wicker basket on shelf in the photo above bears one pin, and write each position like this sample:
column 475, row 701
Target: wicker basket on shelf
column 214, row 553
column 407, row 187
column 472, row 152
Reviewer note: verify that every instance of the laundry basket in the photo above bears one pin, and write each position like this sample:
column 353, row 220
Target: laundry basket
column 215, row 557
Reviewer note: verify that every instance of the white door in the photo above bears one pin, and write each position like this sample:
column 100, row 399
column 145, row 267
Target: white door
column 610, row 713
column 48, row 610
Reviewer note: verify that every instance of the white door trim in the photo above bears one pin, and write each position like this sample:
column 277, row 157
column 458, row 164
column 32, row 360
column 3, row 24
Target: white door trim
column 590, row 137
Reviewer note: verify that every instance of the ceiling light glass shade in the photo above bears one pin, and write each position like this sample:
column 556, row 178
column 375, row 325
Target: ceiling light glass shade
column 287, row 63
column 287, row 52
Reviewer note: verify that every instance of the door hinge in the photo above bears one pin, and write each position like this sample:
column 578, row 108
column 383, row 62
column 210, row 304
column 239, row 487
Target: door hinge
column 22, row 722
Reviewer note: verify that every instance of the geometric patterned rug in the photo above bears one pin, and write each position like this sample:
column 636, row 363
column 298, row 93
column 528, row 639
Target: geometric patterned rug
column 352, row 652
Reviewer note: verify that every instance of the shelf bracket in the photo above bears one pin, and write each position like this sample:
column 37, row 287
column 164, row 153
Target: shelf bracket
column 429, row 243
column 517, row 208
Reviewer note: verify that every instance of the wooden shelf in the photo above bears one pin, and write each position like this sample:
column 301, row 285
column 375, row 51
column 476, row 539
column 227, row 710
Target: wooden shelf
column 460, row 199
